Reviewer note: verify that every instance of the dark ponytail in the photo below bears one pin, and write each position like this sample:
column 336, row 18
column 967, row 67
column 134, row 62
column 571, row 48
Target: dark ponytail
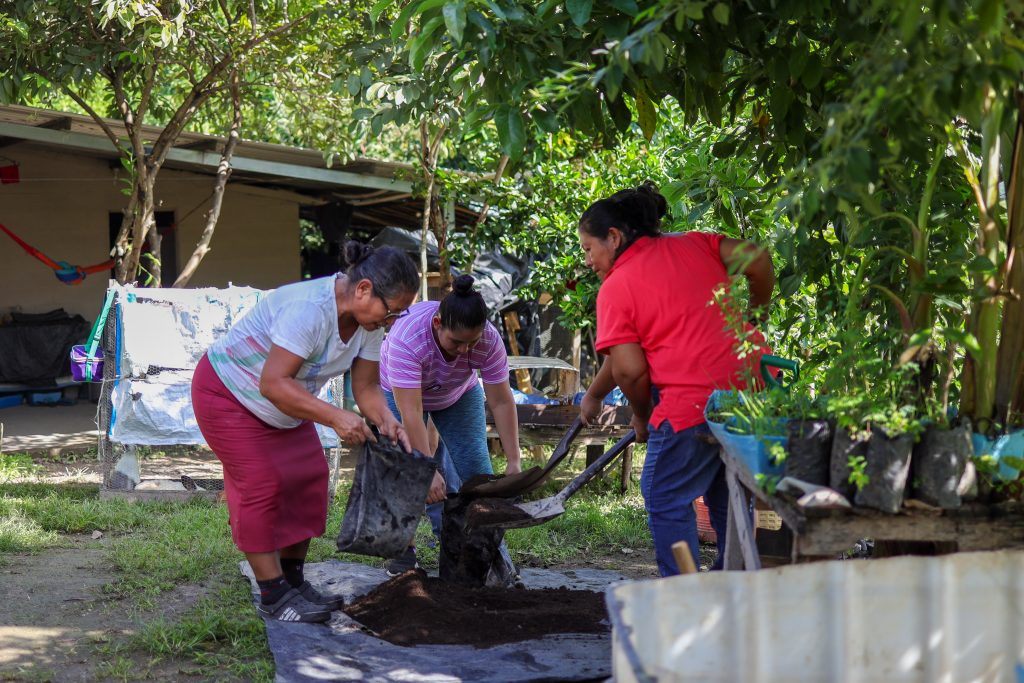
column 390, row 270
column 463, row 308
column 635, row 212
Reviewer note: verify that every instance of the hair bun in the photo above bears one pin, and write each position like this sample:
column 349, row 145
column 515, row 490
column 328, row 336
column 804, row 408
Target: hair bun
column 356, row 252
column 463, row 285
column 650, row 191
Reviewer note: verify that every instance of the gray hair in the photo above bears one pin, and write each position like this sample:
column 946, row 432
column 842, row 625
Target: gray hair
column 390, row 270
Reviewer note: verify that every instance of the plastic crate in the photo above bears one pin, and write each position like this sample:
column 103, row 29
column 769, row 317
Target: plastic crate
column 11, row 400
column 705, row 532
column 45, row 398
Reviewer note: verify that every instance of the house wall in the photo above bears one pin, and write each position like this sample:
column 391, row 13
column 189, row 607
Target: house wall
column 62, row 206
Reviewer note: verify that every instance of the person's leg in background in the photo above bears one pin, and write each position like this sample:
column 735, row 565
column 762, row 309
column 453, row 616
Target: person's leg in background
column 679, row 468
column 451, row 484
column 463, row 431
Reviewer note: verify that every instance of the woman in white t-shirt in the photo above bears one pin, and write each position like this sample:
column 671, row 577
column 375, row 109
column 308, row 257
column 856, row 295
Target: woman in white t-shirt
column 255, row 399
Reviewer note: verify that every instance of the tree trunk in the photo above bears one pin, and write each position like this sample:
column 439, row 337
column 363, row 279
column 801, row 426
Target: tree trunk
column 223, row 172
column 481, row 217
column 1009, row 396
column 440, row 229
column 980, row 396
column 425, row 230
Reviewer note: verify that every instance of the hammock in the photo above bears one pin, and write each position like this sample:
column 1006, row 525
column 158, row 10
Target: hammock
column 65, row 272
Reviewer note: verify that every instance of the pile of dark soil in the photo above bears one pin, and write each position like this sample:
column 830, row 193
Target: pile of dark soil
column 414, row 609
column 492, row 511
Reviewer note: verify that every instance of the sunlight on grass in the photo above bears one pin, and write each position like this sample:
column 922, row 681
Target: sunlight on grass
column 221, row 633
column 20, row 534
column 17, row 466
column 186, row 544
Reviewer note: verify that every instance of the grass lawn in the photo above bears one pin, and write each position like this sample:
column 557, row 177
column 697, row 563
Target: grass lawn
column 154, row 551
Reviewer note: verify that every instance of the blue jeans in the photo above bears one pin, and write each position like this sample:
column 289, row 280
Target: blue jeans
column 462, row 448
column 680, row 467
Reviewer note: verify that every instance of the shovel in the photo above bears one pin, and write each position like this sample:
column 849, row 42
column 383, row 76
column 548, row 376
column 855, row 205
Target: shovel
column 540, row 511
column 524, row 482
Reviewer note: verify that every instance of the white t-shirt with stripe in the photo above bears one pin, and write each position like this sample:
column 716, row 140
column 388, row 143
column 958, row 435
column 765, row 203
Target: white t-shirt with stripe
column 301, row 318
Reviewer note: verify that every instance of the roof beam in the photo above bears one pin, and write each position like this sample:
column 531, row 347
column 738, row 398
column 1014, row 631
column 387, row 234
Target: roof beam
column 58, row 123
column 205, row 159
column 204, row 145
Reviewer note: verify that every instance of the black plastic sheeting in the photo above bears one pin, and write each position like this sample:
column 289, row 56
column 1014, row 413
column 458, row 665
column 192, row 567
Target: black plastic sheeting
column 34, row 348
column 341, row 651
column 496, row 274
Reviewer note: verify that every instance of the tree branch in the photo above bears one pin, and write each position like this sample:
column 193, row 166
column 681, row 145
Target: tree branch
column 223, row 172
column 83, row 104
column 201, row 91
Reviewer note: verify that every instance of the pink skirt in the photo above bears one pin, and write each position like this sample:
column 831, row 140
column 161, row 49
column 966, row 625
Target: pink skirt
column 275, row 479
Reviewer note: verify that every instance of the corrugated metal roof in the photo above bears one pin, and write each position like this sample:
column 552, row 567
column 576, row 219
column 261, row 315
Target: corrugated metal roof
column 379, row 190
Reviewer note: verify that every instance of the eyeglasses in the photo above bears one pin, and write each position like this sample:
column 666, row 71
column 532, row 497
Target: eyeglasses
column 390, row 316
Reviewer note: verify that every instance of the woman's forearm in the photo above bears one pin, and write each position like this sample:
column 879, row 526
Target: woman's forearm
column 506, row 421
column 604, row 381
column 291, row 398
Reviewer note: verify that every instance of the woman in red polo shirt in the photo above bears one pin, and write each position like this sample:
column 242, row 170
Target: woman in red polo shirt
column 661, row 329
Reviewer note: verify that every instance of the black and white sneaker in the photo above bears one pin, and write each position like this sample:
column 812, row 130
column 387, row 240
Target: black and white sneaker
column 317, row 598
column 294, row 607
column 402, row 563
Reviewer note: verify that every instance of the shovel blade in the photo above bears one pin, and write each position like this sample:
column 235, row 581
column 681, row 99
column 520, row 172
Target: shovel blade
column 536, row 512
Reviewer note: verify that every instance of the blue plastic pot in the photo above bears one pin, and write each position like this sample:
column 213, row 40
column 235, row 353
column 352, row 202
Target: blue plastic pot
column 1011, row 444
column 750, row 450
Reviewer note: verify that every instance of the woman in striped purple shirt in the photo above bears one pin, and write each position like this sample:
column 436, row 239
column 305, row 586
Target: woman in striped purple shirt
column 428, row 369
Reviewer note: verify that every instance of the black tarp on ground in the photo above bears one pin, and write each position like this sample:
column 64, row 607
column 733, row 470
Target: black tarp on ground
column 34, row 348
column 341, row 651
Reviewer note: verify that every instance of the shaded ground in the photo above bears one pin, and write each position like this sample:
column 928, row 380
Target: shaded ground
column 55, row 619
column 58, row 623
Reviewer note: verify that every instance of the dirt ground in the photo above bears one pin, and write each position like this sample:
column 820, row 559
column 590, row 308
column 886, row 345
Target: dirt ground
column 55, row 629
column 55, row 616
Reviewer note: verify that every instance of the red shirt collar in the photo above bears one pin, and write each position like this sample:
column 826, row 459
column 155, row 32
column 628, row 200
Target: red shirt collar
column 631, row 251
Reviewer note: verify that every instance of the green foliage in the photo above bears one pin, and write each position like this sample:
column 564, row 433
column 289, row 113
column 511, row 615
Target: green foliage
column 17, row 466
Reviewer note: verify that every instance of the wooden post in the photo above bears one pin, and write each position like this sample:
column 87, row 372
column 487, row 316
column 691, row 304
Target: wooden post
column 511, row 327
column 684, row 558
column 594, row 451
column 627, row 469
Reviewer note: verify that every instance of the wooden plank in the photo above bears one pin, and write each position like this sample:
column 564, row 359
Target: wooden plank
column 563, row 416
column 739, row 514
column 511, row 327
column 993, row 529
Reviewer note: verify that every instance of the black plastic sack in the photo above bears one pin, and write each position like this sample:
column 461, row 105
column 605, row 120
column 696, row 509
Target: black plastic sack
column 809, row 451
column 938, row 464
column 843, row 447
column 472, row 557
column 388, row 493
column 888, row 466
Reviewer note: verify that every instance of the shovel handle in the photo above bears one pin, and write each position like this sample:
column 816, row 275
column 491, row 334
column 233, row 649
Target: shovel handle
column 562, row 449
column 598, row 465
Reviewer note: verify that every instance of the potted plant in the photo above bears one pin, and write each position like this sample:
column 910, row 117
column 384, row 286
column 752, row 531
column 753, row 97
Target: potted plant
column 809, row 443
column 747, row 425
column 940, row 458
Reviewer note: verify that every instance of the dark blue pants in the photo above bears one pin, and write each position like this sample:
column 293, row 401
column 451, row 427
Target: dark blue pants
column 680, row 468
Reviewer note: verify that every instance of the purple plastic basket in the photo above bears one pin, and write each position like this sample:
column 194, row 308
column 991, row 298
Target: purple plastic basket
column 80, row 360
